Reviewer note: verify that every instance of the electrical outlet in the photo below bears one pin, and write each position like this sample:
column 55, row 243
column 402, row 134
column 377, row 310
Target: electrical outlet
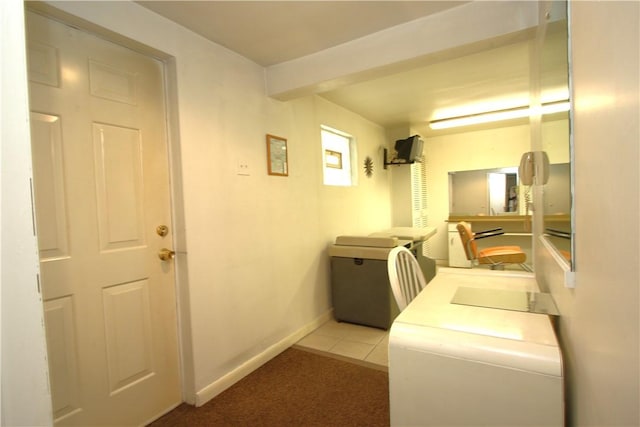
column 243, row 168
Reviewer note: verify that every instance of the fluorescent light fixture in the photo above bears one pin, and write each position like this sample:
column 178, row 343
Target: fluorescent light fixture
column 496, row 116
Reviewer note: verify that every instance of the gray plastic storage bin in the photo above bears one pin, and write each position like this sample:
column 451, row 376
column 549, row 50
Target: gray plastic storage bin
column 360, row 288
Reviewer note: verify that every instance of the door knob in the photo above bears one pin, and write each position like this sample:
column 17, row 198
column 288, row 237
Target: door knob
column 166, row 254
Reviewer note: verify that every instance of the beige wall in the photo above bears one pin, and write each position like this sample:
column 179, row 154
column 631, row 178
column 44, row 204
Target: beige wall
column 26, row 399
column 599, row 325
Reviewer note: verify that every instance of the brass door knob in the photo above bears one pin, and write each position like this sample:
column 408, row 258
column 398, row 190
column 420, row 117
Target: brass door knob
column 166, row 254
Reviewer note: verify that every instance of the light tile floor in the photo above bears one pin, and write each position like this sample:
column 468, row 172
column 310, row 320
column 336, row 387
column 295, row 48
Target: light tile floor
column 367, row 346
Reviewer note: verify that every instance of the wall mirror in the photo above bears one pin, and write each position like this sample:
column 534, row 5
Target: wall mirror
column 554, row 78
column 484, row 192
column 498, row 191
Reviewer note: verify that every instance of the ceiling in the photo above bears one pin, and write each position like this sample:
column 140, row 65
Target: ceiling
column 262, row 32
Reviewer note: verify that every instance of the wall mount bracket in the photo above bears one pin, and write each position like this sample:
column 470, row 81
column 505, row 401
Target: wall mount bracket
column 385, row 163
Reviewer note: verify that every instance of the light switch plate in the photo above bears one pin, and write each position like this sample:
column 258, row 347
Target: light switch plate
column 243, row 168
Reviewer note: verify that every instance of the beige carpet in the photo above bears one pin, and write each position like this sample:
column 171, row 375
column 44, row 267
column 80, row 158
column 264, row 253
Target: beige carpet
column 296, row 388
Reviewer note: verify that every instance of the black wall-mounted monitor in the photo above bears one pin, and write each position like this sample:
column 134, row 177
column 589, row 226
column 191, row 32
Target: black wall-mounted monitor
column 409, row 149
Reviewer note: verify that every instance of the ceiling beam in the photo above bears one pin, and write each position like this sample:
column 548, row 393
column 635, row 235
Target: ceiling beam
column 454, row 32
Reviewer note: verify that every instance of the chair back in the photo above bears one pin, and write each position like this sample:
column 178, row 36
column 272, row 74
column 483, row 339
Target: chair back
column 468, row 243
column 405, row 276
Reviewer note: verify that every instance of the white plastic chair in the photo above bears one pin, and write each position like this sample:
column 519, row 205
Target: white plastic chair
column 405, row 276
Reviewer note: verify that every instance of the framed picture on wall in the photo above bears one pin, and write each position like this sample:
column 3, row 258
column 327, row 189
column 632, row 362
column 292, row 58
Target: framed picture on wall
column 277, row 159
column 333, row 159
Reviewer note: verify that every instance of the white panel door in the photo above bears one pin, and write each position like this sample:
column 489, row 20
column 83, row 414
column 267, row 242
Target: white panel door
column 101, row 189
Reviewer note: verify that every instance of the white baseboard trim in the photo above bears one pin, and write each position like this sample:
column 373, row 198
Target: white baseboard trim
column 215, row 388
